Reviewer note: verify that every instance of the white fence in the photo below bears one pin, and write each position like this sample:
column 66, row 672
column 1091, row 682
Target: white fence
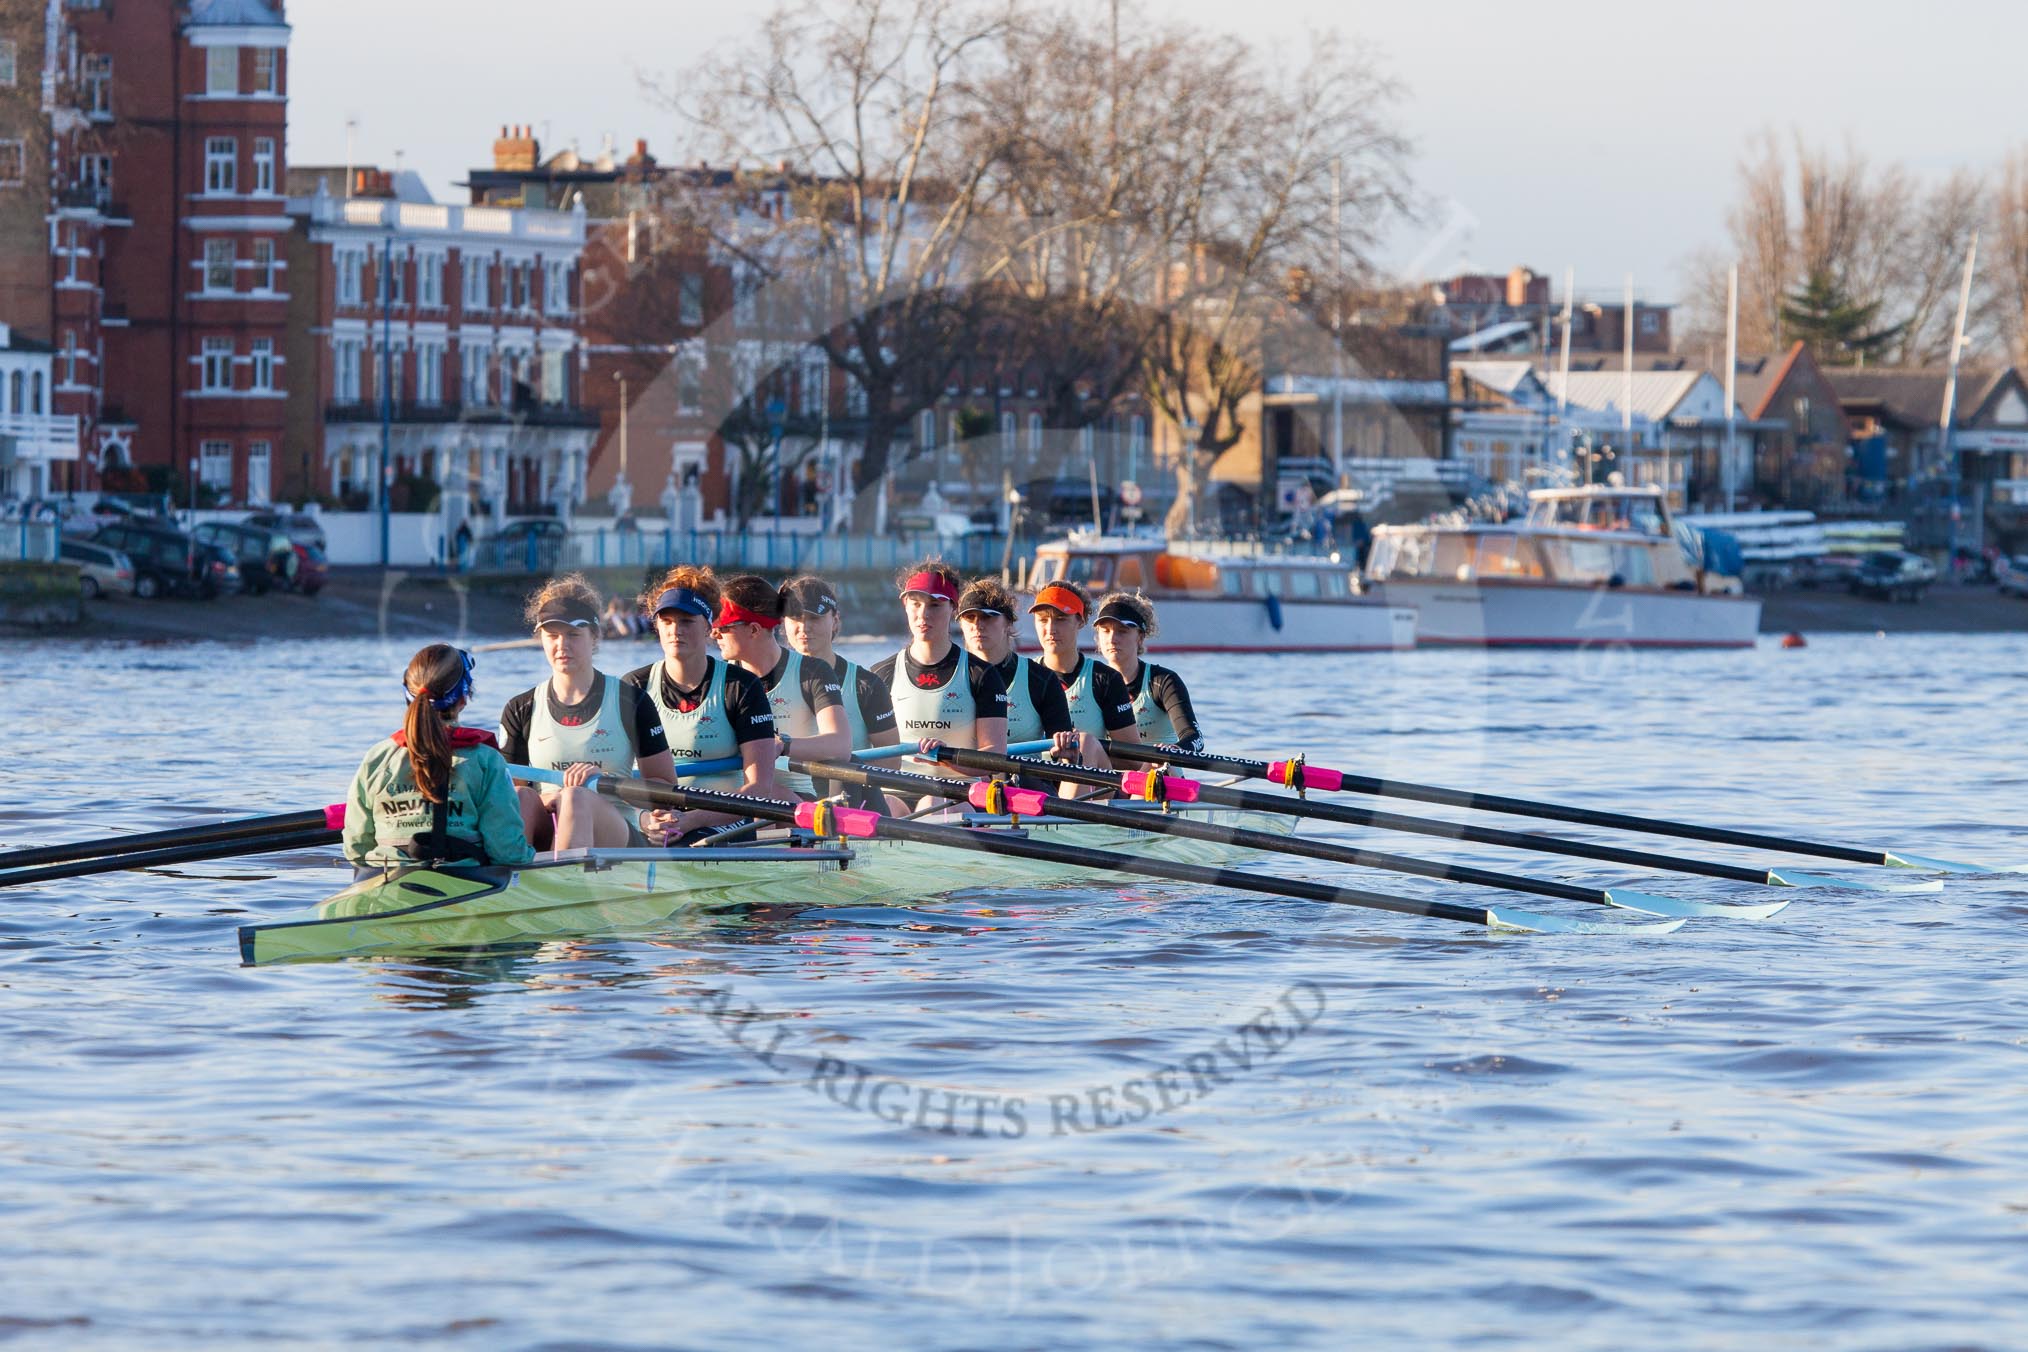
column 28, row 542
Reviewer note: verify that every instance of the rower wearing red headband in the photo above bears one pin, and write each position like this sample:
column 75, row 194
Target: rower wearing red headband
column 809, row 710
column 940, row 694
column 1100, row 705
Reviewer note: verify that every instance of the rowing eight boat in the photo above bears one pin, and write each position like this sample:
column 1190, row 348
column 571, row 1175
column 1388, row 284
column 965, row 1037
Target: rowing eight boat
column 578, row 893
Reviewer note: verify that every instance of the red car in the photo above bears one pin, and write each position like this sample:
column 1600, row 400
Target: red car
column 311, row 570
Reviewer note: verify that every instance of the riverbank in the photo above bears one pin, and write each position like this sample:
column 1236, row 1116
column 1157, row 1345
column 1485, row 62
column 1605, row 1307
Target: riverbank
column 363, row 602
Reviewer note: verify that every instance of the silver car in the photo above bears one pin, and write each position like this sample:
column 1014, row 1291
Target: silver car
column 2012, row 574
column 101, row 569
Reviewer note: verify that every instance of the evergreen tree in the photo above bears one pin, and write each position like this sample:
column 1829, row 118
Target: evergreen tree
column 1836, row 328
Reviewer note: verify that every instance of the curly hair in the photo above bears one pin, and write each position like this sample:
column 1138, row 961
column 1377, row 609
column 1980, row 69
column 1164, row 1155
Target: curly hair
column 574, row 586
column 1142, row 609
column 693, row 577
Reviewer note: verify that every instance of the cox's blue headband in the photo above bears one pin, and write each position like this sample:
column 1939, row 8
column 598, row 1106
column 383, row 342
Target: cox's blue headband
column 457, row 694
column 684, row 601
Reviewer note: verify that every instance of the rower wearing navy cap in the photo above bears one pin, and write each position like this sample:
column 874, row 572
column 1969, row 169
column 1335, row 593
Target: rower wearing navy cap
column 940, row 694
column 1124, row 624
column 811, row 621
column 1036, row 707
column 710, row 709
column 581, row 722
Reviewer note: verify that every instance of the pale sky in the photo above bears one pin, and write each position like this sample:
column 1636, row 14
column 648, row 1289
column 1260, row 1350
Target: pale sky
column 1596, row 134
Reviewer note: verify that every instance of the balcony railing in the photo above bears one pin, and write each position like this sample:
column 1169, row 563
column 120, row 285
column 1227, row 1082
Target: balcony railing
column 413, row 411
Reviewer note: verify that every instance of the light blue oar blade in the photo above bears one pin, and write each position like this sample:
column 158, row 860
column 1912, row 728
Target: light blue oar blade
column 900, row 749
column 1654, row 905
column 1923, row 861
column 1788, row 877
column 1507, row 918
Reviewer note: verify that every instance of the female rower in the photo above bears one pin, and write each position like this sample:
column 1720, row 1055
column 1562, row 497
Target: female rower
column 582, row 722
column 1099, row 703
column 434, row 790
column 1036, row 707
column 803, row 693
column 1162, row 712
column 710, row 709
column 812, row 621
column 940, row 694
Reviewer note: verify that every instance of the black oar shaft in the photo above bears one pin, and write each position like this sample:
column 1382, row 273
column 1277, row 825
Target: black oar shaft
column 1346, row 815
column 1243, row 837
column 182, row 854
column 1519, row 807
column 244, row 828
column 1052, row 852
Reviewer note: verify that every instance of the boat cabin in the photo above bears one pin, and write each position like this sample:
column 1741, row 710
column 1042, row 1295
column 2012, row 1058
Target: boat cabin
column 1596, row 536
column 1210, row 571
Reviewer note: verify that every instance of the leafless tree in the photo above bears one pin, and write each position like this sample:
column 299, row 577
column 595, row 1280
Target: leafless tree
column 2007, row 250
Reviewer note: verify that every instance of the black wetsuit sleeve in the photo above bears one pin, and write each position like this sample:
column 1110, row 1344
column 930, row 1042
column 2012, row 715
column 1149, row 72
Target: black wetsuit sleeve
column 1166, row 688
column 645, row 720
column 514, row 721
column 989, row 692
column 820, row 687
column 876, row 703
column 746, row 704
column 1051, row 705
column 1116, row 706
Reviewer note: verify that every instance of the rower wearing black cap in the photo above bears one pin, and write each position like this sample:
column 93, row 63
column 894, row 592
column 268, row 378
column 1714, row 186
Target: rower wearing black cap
column 1036, row 708
column 710, row 708
column 811, row 621
column 1162, row 712
column 581, row 722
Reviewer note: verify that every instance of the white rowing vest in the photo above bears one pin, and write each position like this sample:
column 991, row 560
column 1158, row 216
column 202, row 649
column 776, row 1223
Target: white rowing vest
column 1151, row 718
column 700, row 734
column 1024, row 720
column 605, row 741
column 1085, row 715
column 947, row 714
column 793, row 718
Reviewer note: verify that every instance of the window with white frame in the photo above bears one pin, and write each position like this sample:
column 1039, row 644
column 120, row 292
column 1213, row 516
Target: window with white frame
column 70, row 356
column 345, row 377
column 214, row 465
column 35, row 391
column 266, row 64
column 264, row 165
column 257, row 483
column 7, row 58
column 95, row 84
column 217, row 364
column 221, row 70
column 556, row 289
column 478, row 289
column 814, row 385
column 552, row 378
column 221, row 164
column 473, row 361
column 95, row 176
column 218, row 261
column 263, row 350
column 926, row 429
column 391, row 275
column 429, row 279
column 13, row 164
column 264, row 265
column 690, row 299
column 689, row 385
column 1035, row 431
column 429, row 373
column 855, row 399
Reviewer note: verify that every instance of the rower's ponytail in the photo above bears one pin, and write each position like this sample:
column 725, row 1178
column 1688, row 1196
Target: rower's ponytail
column 438, row 675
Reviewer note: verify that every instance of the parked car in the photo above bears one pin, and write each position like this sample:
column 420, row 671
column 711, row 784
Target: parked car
column 266, row 558
column 2012, row 574
column 1893, row 575
column 169, row 563
column 300, row 527
column 311, row 570
column 535, row 545
column 1826, row 570
column 101, row 569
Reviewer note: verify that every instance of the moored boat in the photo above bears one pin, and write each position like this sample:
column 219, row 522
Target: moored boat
column 1600, row 565
column 1233, row 597
column 585, row 892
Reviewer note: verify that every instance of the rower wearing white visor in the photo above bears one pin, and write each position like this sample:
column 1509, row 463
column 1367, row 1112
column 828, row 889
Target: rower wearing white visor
column 940, row 693
column 1124, row 624
column 803, row 692
column 581, row 722
column 710, row 709
column 1099, row 703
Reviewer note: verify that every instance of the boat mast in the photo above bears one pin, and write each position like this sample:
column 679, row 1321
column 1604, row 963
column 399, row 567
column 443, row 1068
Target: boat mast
column 1563, row 361
column 1728, row 471
column 1950, row 399
column 1337, row 324
column 1627, row 388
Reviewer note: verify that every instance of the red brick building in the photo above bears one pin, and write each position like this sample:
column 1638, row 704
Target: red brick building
column 158, row 157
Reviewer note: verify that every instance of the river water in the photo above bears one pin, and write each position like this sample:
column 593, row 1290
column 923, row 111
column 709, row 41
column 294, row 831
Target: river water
column 1029, row 1120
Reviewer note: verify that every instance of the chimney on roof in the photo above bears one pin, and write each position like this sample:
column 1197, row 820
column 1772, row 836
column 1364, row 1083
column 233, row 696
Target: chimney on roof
column 369, row 182
column 516, row 152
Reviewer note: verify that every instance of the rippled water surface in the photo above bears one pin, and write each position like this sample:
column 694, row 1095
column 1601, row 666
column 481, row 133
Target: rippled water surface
column 1029, row 1120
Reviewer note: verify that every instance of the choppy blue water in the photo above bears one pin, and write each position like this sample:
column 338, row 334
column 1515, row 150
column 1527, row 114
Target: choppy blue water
column 1037, row 1127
